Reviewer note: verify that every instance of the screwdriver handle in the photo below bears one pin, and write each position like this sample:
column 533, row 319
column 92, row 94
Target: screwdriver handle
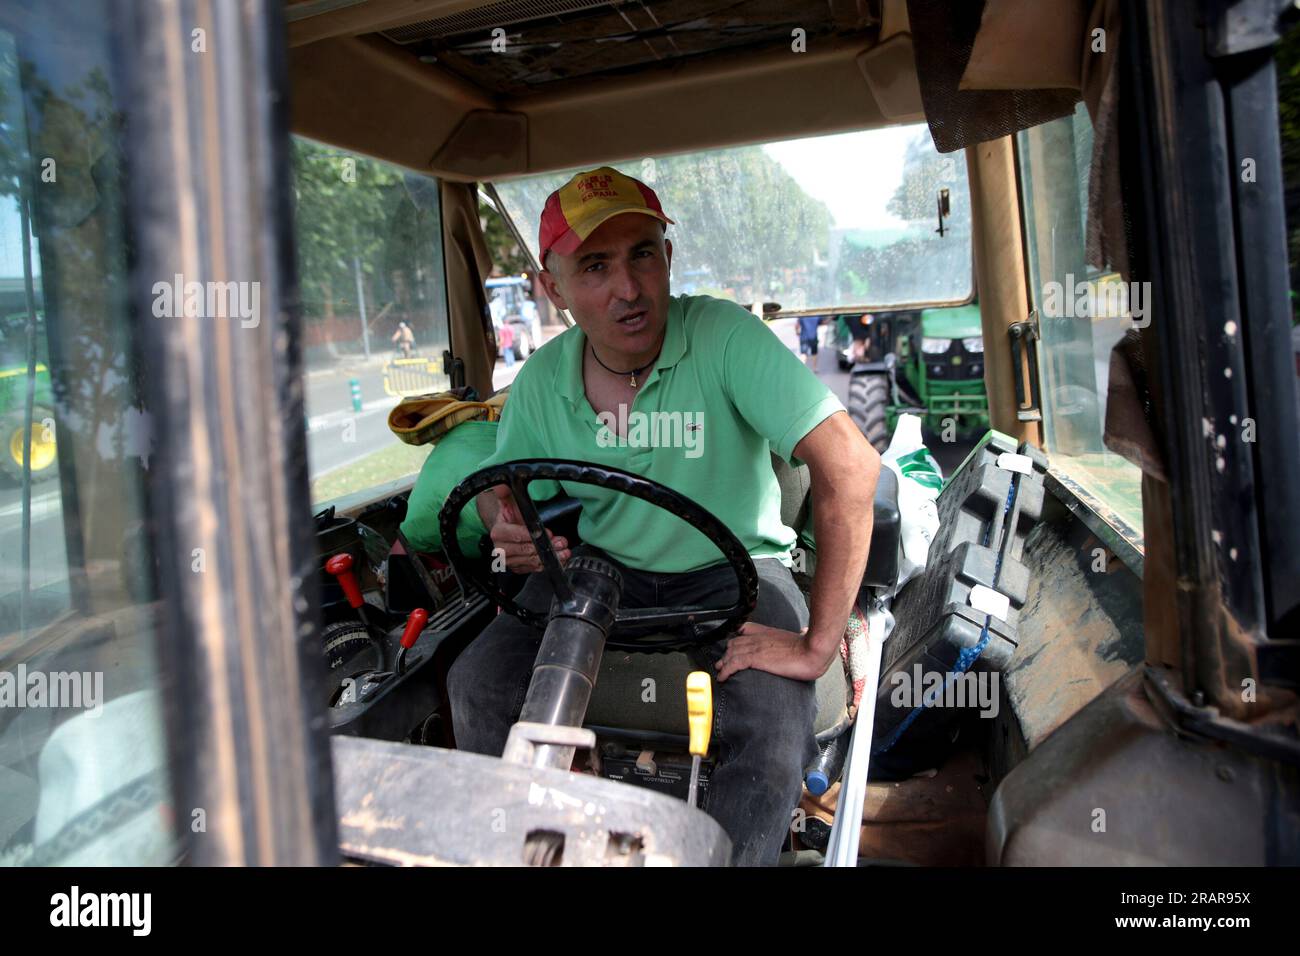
column 699, row 711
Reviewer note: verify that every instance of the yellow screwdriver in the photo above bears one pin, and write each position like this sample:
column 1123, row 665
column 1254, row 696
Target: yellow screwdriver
column 699, row 716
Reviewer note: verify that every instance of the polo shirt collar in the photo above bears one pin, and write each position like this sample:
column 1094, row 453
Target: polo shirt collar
column 568, row 372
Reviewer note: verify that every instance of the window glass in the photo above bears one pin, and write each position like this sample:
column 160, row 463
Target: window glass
column 1082, row 312
column 82, row 752
column 521, row 314
column 827, row 222
column 374, row 303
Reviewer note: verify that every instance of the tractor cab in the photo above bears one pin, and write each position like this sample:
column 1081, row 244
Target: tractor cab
column 240, row 551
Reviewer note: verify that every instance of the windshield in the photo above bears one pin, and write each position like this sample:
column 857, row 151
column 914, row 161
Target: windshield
column 818, row 224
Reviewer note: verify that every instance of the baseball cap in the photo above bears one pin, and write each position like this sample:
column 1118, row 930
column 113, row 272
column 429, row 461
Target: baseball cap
column 575, row 210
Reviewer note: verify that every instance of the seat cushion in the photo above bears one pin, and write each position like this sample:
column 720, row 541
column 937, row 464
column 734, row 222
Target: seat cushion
column 647, row 693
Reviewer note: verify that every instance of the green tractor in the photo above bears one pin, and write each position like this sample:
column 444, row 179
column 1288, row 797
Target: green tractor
column 13, row 396
column 929, row 363
column 13, row 393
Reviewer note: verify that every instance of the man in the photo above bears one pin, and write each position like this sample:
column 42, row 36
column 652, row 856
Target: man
column 860, row 331
column 808, row 326
column 404, row 338
column 738, row 392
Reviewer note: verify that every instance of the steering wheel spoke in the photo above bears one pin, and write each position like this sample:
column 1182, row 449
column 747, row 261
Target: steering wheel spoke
column 541, row 540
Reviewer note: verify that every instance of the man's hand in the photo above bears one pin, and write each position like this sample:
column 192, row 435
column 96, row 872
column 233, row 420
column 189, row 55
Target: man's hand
column 510, row 535
column 784, row 653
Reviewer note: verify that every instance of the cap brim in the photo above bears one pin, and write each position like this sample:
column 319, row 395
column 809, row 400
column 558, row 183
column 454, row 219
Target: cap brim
column 568, row 243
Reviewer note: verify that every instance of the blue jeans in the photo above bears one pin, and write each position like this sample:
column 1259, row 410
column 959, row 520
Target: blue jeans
column 762, row 723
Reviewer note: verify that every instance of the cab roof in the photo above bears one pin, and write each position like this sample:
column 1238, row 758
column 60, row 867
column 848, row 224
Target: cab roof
column 470, row 90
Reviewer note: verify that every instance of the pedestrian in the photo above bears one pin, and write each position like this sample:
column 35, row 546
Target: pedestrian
column 506, row 342
column 808, row 325
column 405, row 339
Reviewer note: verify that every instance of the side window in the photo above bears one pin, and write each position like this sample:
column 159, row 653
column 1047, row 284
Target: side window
column 1083, row 312
column 83, row 768
column 374, row 302
column 521, row 314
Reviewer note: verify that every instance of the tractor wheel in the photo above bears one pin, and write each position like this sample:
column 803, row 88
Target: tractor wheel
column 44, row 459
column 868, row 401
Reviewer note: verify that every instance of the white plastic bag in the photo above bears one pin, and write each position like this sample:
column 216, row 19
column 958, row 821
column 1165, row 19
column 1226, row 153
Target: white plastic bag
column 919, row 484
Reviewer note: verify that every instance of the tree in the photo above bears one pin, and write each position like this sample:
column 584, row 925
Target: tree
column 741, row 218
column 507, row 257
column 340, row 214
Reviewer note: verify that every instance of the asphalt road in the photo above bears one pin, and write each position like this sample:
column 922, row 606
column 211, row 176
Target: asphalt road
column 337, row 434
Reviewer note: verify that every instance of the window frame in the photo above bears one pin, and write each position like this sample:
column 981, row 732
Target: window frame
column 239, row 648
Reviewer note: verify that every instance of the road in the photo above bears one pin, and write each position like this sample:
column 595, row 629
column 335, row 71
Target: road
column 337, row 434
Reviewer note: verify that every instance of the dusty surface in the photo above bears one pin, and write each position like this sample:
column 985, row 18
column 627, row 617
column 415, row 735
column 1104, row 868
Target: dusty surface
column 1080, row 629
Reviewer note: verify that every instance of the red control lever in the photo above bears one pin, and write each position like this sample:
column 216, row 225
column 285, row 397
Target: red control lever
column 415, row 622
column 341, row 567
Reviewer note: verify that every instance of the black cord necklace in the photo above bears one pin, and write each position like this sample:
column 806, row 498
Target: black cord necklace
column 634, row 372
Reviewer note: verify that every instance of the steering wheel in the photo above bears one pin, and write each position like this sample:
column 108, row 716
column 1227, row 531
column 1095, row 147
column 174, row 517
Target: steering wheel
column 628, row 622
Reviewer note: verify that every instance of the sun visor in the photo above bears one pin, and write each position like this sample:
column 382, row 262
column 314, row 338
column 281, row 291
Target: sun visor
column 943, row 38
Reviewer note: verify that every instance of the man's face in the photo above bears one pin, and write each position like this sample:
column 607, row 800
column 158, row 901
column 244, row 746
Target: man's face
column 616, row 283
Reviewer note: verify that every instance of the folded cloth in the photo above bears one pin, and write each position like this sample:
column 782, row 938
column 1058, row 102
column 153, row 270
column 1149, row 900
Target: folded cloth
column 423, row 419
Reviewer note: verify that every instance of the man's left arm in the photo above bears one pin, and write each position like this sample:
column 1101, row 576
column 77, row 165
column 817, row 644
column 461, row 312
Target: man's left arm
column 844, row 469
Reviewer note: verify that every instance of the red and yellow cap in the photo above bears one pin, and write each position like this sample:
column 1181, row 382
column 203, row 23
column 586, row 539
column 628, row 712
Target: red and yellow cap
column 575, row 210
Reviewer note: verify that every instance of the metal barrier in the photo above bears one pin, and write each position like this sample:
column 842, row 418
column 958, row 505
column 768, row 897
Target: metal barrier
column 404, row 377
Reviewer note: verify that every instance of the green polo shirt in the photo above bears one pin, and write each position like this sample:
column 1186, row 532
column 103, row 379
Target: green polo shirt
column 723, row 391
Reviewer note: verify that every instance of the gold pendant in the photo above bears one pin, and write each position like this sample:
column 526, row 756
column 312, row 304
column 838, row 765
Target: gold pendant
column 634, row 381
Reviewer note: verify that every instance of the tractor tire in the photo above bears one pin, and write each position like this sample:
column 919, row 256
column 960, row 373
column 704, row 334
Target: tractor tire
column 44, row 459
column 868, row 401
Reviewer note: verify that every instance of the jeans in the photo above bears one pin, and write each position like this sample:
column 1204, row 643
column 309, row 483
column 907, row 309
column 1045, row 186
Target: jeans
column 762, row 723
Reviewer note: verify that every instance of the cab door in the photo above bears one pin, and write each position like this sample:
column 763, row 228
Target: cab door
column 161, row 671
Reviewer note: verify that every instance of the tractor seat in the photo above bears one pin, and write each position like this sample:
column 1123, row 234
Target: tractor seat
column 623, row 702
column 619, row 701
